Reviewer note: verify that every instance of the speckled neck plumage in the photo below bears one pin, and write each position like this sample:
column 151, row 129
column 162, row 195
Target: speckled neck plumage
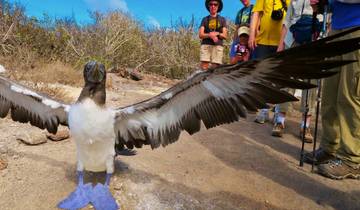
column 95, row 91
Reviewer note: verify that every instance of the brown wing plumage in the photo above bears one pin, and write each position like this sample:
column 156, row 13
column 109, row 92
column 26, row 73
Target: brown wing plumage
column 223, row 94
column 25, row 105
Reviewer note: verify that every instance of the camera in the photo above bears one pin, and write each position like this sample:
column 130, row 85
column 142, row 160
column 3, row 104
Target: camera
column 277, row 14
column 240, row 50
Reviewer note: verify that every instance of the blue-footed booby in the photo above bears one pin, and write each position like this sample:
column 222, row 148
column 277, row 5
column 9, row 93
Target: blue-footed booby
column 217, row 96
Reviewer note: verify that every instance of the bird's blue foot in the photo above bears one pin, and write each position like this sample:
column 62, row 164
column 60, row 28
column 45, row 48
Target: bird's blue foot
column 77, row 199
column 102, row 199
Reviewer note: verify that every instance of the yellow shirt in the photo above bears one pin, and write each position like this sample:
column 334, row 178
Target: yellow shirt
column 270, row 29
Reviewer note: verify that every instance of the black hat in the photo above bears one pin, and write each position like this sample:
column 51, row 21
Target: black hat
column 220, row 5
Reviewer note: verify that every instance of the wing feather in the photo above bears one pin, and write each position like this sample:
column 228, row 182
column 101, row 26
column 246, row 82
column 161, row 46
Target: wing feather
column 25, row 105
column 223, row 94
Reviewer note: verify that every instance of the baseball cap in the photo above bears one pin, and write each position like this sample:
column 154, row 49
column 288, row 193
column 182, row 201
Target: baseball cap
column 243, row 30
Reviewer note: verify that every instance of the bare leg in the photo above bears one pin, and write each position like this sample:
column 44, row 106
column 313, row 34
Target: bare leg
column 101, row 197
column 80, row 197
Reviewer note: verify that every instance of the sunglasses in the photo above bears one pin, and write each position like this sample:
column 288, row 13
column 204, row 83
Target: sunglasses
column 213, row 4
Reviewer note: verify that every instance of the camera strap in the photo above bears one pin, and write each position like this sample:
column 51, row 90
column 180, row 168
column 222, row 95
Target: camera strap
column 283, row 4
column 302, row 10
column 242, row 11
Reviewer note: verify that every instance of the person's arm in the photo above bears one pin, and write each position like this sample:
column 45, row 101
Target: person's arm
column 234, row 60
column 212, row 35
column 281, row 45
column 223, row 34
column 285, row 27
column 247, row 55
column 255, row 20
column 202, row 34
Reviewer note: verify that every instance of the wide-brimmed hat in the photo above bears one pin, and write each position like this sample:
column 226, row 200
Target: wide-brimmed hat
column 243, row 30
column 220, row 5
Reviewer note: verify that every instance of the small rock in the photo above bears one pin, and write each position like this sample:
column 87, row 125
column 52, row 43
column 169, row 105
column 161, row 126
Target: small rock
column 2, row 69
column 59, row 136
column 3, row 164
column 118, row 186
column 31, row 137
column 16, row 157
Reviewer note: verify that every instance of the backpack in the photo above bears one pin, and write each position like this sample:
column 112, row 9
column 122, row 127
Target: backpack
column 303, row 30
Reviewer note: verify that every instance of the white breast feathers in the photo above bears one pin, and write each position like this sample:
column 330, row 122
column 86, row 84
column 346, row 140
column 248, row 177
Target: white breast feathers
column 92, row 128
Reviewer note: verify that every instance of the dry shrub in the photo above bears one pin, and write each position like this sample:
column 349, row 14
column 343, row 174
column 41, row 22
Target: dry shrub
column 174, row 52
column 55, row 72
column 55, row 92
column 114, row 38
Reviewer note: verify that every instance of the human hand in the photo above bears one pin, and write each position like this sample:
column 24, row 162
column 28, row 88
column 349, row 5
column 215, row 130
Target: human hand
column 239, row 57
column 252, row 42
column 214, row 36
column 247, row 55
column 281, row 47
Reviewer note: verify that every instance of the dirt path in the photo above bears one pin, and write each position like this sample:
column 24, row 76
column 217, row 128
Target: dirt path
column 236, row 166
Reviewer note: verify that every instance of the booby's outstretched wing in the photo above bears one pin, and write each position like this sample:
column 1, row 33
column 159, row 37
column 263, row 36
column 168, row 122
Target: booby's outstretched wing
column 26, row 105
column 222, row 95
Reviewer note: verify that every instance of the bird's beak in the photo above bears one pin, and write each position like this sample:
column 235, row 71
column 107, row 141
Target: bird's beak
column 96, row 74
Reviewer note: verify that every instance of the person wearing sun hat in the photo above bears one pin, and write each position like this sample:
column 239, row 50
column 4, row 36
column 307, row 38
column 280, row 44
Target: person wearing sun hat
column 212, row 32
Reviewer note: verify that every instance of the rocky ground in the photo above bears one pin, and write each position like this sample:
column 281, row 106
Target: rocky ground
column 235, row 166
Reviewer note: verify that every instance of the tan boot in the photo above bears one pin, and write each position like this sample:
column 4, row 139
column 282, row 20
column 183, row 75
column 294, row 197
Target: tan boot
column 308, row 136
column 278, row 130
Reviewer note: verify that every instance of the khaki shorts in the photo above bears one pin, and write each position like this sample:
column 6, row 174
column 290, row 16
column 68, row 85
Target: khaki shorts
column 211, row 53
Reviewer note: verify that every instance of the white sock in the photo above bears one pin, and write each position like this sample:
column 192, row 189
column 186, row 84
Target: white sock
column 307, row 124
column 308, row 119
column 280, row 119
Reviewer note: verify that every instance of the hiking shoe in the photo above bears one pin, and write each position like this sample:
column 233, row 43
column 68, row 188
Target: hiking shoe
column 321, row 157
column 261, row 118
column 308, row 136
column 277, row 130
column 338, row 169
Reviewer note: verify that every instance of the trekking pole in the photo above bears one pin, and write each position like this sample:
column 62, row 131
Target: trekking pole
column 318, row 99
column 304, row 127
column 313, row 30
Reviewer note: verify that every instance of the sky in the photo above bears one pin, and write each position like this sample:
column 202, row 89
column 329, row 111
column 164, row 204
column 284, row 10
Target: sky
column 153, row 13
